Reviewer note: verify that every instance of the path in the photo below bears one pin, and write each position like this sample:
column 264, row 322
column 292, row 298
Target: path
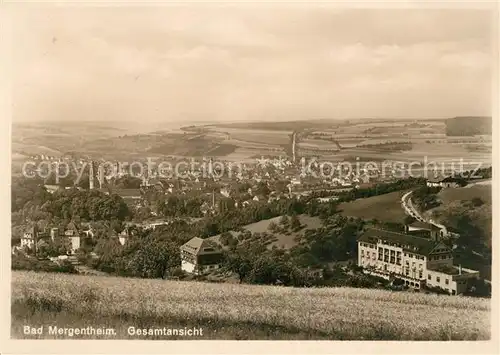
column 407, row 205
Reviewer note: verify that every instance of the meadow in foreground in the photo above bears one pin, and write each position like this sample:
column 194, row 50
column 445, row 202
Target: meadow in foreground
column 228, row 311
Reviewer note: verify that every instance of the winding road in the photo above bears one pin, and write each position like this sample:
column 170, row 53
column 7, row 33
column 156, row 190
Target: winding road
column 407, row 205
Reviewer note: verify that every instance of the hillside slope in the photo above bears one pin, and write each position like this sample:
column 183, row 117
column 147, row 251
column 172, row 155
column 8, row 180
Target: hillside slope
column 468, row 126
column 228, row 311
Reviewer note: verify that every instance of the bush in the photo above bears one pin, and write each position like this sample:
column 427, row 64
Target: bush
column 21, row 262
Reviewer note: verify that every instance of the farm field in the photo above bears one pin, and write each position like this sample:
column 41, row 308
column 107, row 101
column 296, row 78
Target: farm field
column 386, row 208
column 269, row 137
column 229, row 311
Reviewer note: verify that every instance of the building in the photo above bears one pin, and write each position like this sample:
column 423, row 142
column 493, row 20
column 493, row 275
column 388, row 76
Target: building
column 124, row 235
column 130, row 196
column 449, row 181
column 416, row 259
column 72, row 235
column 199, row 256
column 29, row 238
column 52, row 188
column 423, row 229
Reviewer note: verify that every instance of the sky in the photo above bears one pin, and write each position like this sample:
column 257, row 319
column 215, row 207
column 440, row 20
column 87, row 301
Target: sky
column 249, row 62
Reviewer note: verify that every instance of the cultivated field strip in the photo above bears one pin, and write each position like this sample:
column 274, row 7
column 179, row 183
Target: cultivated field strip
column 339, row 312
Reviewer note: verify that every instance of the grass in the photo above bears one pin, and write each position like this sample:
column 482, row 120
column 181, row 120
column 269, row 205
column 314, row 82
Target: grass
column 386, row 208
column 227, row 311
column 281, row 240
column 448, row 196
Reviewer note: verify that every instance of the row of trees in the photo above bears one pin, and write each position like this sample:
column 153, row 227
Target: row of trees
column 381, row 189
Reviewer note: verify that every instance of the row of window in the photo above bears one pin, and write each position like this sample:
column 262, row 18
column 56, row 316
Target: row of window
column 407, row 263
column 440, row 257
column 416, row 256
column 413, row 274
column 371, row 246
column 438, row 279
column 389, row 256
column 368, row 254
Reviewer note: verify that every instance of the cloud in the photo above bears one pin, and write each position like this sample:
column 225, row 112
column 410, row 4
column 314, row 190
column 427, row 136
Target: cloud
column 182, row 63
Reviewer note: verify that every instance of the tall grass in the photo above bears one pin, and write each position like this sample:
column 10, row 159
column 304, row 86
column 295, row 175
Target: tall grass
column 327, row 313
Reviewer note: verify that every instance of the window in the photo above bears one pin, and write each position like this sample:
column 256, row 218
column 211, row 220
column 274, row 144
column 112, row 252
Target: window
column 386, row 258
column 393, row 260
column 407, row 271
column 362, row 252
column 438, row 279
column 373, row 256
column 446, row 281
column 420, row 274
column 380, row 254
column 429, row 277
column 417, row 285
column 385, row 267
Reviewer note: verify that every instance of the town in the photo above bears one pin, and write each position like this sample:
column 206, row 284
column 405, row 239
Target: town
column 414, row 254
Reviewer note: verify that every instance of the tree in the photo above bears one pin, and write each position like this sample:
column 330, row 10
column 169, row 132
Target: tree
column 235, row 262
column 273, row 227
column 295, row 223
column 477, row 201
column 409, row 220
column 284, row 222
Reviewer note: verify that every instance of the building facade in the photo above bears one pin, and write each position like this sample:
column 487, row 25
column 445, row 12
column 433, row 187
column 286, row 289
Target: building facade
column 415, row 259
column 200, row 256
column 449, row 181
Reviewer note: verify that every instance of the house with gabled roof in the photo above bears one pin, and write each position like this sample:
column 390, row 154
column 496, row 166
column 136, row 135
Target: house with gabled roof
column 199, row 256
column 72, row 235
column 445, row 181
column 416, row 258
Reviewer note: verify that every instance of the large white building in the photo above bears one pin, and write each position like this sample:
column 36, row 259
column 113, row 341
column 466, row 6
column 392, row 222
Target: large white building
column 416, row 259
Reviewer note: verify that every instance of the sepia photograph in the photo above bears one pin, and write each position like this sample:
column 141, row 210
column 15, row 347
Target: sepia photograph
column 252, row 171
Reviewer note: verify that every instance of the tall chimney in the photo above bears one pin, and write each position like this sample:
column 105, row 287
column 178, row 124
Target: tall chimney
column 91, row 175
column 101, row 176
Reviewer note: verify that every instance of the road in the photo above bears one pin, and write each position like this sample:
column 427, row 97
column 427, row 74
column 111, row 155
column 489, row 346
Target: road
column 409, row 208
column 482, row 182
column 407, row 205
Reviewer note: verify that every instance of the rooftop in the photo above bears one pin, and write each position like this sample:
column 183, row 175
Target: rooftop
column 199, row 246
column 128, row 192
column 451, row 270
column 423, row 225
column 408, row 242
